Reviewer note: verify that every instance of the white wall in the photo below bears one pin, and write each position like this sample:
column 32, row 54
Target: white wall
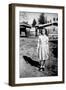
column 4, row 45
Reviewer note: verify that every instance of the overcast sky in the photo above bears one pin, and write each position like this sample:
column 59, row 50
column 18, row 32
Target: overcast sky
column 28, row 16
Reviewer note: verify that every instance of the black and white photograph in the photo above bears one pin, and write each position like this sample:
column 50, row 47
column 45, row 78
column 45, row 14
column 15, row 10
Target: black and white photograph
column 37, row 37
column 38, row 44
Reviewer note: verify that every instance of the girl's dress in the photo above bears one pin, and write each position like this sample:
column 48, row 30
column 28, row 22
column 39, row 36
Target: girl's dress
column 43, row 47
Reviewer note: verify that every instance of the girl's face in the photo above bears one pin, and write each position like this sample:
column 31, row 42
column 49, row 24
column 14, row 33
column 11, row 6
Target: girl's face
column 43, row 31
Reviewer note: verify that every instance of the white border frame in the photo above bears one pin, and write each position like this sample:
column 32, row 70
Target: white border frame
column 38, row 79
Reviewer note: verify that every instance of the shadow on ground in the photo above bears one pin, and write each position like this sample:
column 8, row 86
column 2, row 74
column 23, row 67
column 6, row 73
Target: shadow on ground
column 31, row 62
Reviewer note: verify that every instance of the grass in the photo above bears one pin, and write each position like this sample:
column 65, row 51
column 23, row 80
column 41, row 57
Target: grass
column 29, row 62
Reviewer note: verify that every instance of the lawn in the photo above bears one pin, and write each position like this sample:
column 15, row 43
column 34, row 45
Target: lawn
column 29, row 62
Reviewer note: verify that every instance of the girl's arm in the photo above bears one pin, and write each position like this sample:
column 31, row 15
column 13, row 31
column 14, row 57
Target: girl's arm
column 47, row 40
column 38, row 45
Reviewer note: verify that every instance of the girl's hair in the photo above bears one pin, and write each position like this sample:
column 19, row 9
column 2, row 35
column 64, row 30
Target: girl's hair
column 46, row 33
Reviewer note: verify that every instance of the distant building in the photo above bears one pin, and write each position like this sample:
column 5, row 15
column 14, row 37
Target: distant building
column 24, row 29
column 27, row 30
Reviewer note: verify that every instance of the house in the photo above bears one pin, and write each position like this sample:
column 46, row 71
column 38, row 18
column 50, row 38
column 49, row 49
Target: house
column 24, row 29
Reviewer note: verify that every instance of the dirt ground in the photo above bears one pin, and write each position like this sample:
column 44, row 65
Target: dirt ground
column 29, row 62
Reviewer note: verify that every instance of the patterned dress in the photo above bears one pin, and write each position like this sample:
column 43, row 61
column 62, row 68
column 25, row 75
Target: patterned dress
column 43, row 47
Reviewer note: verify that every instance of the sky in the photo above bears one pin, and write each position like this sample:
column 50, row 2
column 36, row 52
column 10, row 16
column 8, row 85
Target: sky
column 30, row 16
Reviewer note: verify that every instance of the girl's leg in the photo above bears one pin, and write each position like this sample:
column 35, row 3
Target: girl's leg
column 43, row 64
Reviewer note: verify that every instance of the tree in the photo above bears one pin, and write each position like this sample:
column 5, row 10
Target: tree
column 34, row 23
column 42, row 19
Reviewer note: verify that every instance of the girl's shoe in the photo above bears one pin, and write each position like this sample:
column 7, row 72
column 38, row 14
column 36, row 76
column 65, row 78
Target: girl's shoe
column 43, row 66
column 40, row 69
column 43, row 69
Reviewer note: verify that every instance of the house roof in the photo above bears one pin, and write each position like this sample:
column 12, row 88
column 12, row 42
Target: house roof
column 47, row 24
column 25, row 25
